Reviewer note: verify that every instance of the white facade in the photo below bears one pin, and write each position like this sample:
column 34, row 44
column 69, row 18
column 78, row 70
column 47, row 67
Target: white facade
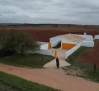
column 45, row 52
column 44, row 47
column 69, row 52
column 85, row 33
column 87, row 43
column 96, row 37
column 87, row 37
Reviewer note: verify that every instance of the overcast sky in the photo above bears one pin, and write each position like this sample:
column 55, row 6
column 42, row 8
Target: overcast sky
column 50, row 11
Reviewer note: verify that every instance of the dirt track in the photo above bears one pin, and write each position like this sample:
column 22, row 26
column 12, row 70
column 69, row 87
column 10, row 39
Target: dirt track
column 55, row 79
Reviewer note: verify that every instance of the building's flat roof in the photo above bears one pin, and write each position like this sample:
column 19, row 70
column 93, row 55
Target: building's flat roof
column 72, row 37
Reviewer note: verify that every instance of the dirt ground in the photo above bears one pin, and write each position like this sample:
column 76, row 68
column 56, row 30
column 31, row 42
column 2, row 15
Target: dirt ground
column 92, row 56
column 55, row 79
column 43, row 33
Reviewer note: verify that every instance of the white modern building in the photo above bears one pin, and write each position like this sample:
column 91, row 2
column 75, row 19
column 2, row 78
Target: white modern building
column 69, row 42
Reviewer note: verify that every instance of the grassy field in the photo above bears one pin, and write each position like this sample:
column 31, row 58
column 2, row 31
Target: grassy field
column 96, row 41
column 13, row 83
column 79, row 69
column 30, row 60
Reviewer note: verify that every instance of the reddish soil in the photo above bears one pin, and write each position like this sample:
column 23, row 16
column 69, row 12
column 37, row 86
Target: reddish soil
column 43, row 33
column 92, row 56
column 46, row 35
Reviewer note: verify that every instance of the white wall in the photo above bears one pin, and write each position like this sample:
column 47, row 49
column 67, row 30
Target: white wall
column 42, row 43
column 85, row 33
column 53, row 44
column 45, row 52
column 87, row 43
column 87, row 37
column 69, row 52
column 44, row 47
column 55, row 39
column 96, row 37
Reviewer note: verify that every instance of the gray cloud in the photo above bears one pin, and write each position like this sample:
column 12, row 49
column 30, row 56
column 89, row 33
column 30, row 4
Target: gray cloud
column 49, row 11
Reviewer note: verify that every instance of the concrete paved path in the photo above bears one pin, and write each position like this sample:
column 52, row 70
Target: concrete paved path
column 61, row 55
column 52, row 64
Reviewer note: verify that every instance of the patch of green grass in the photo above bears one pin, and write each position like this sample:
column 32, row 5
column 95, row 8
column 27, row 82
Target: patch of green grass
column 96, row 41
column 30, row 60
column 77, row 54
column 81, row 70
column 13, row 83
